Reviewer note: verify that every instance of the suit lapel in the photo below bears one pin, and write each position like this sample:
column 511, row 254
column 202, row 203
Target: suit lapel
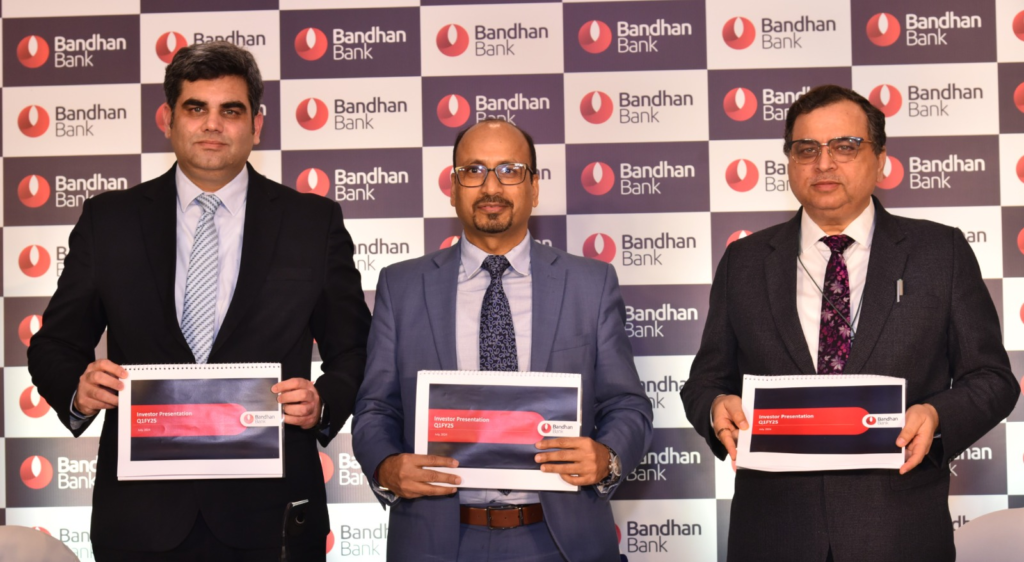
column 885, row 267
column 159, row 230
column 780, row 274
column 440, row 291
column 548, row 288
column 259, row 239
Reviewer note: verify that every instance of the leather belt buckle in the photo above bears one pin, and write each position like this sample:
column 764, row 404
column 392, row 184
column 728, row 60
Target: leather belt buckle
column 504, row 508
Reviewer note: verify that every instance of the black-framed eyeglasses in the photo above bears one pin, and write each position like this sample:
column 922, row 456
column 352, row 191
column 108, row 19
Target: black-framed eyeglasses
column 840, row 149
column 513, row 173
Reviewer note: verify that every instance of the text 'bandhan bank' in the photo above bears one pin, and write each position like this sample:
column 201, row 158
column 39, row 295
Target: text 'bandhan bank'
column 925, row 31
column 77, row 53
column 643, row 250
column 497, row 41
column 643, row 37
column 635, row 108
column 70, row 122
column 785, row 34
column 643, row 180
column 351, row 116
column 503, row 108
column 358, row 45
column 360, row 186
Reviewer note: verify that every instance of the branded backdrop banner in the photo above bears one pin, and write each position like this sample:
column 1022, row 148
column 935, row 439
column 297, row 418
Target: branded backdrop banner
column 659, row 127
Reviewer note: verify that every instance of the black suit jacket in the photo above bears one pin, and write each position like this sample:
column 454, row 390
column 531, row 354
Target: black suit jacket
column 296, row 282
column 943, row 337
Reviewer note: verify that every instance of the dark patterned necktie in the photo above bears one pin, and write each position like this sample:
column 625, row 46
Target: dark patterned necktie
column 835, row 336
column 497, row 334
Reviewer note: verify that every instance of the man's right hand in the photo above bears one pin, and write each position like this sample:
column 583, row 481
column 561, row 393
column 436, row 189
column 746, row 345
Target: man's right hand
column 404, row 475
column 727, row 420
column 98, row 386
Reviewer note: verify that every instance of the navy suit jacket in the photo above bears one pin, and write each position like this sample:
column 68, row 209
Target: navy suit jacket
column 578, row 327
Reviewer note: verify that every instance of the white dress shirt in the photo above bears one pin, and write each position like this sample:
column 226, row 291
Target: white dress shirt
column 472, row 285
column 229, row 220
column 815, row 255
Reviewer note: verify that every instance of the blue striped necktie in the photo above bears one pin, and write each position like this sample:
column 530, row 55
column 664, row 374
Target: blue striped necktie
column 200, row 308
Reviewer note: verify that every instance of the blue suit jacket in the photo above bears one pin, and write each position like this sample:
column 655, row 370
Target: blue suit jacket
column 578, row 317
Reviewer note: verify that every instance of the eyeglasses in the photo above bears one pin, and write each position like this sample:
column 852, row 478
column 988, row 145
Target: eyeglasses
column 507, row 174
column 840, row 149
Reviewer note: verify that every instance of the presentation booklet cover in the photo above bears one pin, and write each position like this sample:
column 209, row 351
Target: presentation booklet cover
column 491, row 422
column 821, row 422
column 200, row 421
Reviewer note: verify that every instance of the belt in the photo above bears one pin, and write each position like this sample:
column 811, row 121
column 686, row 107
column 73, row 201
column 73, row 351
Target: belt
column 502, row 516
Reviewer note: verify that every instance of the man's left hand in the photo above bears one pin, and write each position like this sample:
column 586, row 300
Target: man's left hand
column 300, row 402
column 587, row 460
column 917, row 435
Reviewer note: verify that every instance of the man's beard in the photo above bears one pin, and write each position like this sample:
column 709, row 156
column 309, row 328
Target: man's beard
column 492, row 223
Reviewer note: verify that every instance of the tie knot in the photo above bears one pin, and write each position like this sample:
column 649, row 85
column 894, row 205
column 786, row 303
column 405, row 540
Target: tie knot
column 838, row 243
column 208, row 202
column 496, row 265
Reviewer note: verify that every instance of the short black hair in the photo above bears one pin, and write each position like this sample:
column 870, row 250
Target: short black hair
column 829, row 94
column 209, row 61
column 529, row 140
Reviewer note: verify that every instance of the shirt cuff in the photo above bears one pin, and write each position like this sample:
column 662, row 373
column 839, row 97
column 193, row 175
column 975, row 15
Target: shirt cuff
column 614, row 474
column 77, row 419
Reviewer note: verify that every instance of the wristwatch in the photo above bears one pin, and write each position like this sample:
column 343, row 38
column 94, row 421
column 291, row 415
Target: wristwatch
column 614, row 468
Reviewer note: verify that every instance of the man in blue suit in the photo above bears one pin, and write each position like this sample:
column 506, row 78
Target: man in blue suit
column 499, row 301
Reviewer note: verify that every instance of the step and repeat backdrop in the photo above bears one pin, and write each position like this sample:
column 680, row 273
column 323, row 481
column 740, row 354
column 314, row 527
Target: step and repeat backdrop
column 659, row 127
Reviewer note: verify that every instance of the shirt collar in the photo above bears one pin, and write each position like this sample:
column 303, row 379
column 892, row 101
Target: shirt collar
column 232, row 195
column 862, row 229
column 473, row 257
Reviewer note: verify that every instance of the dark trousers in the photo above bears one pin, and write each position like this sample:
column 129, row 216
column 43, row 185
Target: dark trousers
column 201, row 545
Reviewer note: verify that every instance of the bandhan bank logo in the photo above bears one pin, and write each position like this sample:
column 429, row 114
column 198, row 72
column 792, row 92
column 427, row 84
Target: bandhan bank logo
column 444, row 181
column 738, row 33
column 596, row 107
column 449, row 242
column 33, row 191
column 310, row 44
column 311, row 114
column 740, row 104
column 36, row 472
column 327, row 466
column 597, row 178
column 1020, row 169
column 452, row 40
column 453, row 111
column 887, row 99
column 330, row 540
column 33, row 51
column 168, row 45
column 33, row 121
column 32, row 404
column 28, row 328
column 1018, row 97
column 1018, row 25
column 892, row 173
column 599, row 246
column 34, row 261
column 742, row 175
column 312, row 180
column 595, row 36
column 736, row 236
column 883, row 29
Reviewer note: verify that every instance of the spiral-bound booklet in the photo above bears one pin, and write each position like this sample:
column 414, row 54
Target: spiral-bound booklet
column 491, row 421
column 200, row 422
column 821, row 422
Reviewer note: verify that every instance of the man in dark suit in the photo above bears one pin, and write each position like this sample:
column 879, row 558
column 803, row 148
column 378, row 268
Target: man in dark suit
column 828, row 281
column 498, row 301
column 210, row 262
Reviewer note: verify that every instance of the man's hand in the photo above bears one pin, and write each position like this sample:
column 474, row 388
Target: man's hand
column 917, row 434
column 727, row 421
column 300, row 402
column 404, row 475
column 98, row 386
column 587, row 459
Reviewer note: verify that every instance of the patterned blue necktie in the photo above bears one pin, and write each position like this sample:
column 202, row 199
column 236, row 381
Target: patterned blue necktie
column 200, row 308
column 497, row 334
